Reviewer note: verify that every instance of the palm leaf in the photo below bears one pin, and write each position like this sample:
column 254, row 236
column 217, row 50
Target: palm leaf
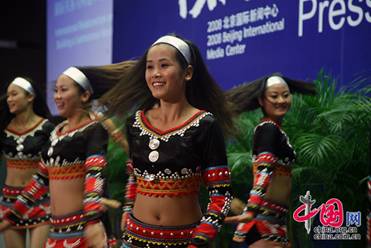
column 317, row 148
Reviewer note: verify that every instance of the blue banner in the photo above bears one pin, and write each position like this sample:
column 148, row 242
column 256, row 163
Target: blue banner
column 241, row 40
column 79, row 33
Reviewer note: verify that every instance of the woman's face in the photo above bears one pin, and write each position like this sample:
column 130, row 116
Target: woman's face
column 18, row 99
column 276, row 101
column 164, row 76
column 67, row 97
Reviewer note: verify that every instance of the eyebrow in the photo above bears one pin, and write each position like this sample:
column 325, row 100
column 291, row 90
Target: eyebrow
column 279, row 92
column 60, row 86
column 162, row 59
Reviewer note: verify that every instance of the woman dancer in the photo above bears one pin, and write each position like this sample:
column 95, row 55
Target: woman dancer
column 71, row 166
column 24, row 131
column 263, row 221
column 175, row 142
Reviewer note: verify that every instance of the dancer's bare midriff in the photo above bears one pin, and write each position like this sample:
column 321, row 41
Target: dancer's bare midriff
column 279, row 190
column 167, row 211
column 19, row 177
column 66, row 196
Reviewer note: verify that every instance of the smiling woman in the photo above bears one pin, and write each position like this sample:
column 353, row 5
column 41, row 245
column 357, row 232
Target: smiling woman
column 72, row 162
column 263, row 221
column 164, row 76
column 24, row 132
column 176, row 142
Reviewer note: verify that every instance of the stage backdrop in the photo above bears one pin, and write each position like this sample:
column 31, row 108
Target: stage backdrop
column 245, row 39
column 79, row 33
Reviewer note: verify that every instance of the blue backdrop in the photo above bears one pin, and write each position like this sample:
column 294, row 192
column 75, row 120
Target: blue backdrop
column 79, row 33
column 245, row 39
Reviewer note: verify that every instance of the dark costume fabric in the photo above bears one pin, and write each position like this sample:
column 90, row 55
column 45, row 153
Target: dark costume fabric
column 76, row 154
column 21, row 151
column 174, row 163
column 272, row 155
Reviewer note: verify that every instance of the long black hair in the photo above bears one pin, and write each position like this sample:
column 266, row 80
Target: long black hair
column 103, row 78
column 245, row 97
column 202, row 91
column 39, row 106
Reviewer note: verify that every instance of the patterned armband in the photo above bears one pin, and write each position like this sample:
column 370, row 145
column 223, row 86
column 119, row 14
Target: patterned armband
column 36, row 190
column 218, row 182
column 93, row 186
column 131, row 188
column 263, row 171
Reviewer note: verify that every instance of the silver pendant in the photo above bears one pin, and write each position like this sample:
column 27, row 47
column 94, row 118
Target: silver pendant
column 154, row 144
column 153, row 156
column 50, row 151
column 54, row 142
column 20, row 140
column 20, row 147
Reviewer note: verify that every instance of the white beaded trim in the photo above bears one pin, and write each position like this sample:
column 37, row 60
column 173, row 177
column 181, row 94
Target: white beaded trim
column 286, row 162
column 167, row 174
column 145, row 131
column 55, row 138
column 20, row 139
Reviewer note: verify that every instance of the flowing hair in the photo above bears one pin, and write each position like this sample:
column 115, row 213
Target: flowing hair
column 103, row 78
column 245, row 97
column 202, row 91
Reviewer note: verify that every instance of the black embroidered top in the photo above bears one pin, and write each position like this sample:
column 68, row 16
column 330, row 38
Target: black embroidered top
column 75, row 146
column 78, row 153
column 272, row 155
column 178, row 152
column 26, row 145
column 178, row 160
column 270, row 138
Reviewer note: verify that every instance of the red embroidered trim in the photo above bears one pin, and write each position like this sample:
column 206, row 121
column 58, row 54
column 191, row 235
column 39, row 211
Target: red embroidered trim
column 160, row 132
column 72, row 219
column 265, row 158
column 22, row 164
column 27, row 130
column 95, row 161
column 170, row 188
column 217, row 175
column 131, row 189
column 67, row 172
column 11, row 192
column 145, row 233
column 59, row 130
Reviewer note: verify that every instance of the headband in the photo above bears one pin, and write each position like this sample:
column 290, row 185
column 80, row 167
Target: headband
column 24, row 84
column 179, row 44
column 79, row 77
column 273, row 80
